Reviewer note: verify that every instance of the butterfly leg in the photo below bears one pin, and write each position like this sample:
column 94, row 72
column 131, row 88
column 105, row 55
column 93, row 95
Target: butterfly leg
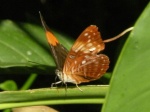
column 78, row 87
column 65, row 84
column 55, row 83
column 65, row 87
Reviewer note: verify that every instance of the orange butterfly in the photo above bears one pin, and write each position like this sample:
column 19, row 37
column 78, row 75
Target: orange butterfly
column 84, row 62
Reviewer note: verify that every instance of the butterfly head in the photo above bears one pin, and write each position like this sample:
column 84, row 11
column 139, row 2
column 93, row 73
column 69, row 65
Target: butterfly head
column 63, row 77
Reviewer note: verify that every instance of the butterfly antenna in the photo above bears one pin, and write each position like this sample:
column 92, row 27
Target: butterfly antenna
column 118, row 36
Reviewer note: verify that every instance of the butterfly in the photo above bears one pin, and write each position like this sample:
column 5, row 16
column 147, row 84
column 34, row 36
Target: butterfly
column 84, row 62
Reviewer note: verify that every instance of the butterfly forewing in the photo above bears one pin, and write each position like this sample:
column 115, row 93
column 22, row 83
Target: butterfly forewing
column 83, row 64
column 89, row 41
column 58, row 51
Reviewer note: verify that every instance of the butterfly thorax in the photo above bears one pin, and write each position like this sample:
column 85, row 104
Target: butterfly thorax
column 63, row 77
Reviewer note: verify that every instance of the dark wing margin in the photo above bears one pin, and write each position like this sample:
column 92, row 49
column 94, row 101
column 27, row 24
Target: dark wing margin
column 59, row 54
column 58, row 51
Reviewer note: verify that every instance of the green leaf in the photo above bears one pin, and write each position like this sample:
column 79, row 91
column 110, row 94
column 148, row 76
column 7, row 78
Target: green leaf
column 130, row 85
column 8, row 85
column 21, row 43
column 29, row 81
column 53, row 96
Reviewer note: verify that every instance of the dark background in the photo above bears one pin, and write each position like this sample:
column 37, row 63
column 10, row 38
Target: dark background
column 72, row 17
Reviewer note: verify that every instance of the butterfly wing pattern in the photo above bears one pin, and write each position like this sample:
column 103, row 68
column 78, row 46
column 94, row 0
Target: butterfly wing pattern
column 84, row 62
column 58, row 51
